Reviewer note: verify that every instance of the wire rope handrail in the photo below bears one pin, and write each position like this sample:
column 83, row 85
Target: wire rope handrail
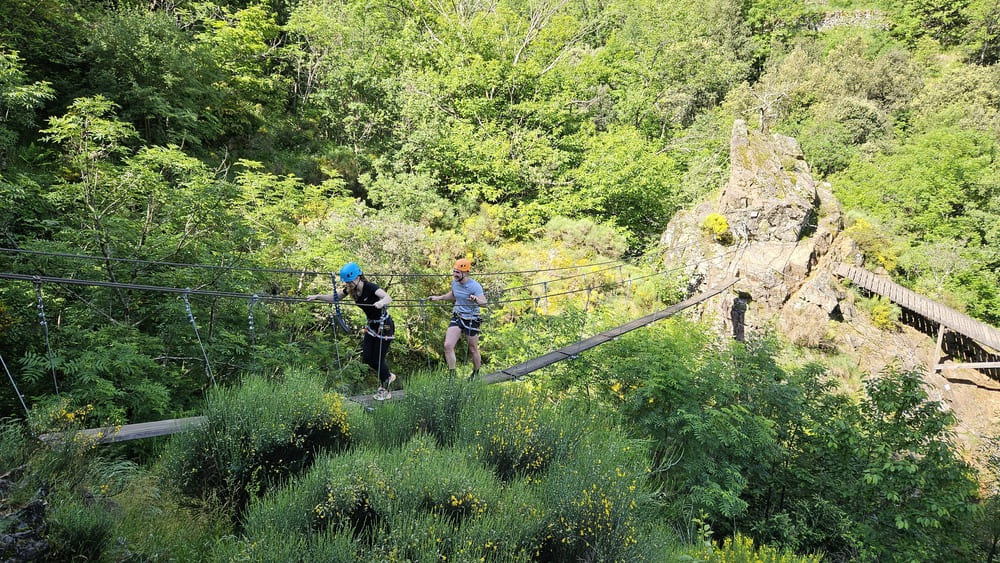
column 404, row 303
column 295, row 271
column 113, row 434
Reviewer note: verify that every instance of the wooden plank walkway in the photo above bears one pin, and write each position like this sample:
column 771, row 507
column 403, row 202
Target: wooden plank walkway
column 571, row 351
column 112, row 434
column 164, row 427
column 927, row 308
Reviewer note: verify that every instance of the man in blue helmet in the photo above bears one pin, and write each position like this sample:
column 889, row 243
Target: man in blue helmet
column 379, row 330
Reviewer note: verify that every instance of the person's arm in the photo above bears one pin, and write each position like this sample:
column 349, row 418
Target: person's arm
column 446, row 297
column 478, row 294
column 383, row 299
column 325, row 298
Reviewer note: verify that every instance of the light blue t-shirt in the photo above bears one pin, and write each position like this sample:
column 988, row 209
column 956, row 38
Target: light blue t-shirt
column 464, row 306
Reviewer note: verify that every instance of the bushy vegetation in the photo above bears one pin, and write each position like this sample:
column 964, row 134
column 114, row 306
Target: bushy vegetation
column 685, row 448
column 255, row 436
column 269, row 143
column 750, row 446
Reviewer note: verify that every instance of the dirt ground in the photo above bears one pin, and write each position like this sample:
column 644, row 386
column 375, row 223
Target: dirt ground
column 971, row 395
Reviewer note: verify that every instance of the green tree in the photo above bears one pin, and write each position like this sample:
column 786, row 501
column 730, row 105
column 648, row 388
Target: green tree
column 624, row 180
column 162, row 80
column 18, row 101
column 942, row 20
column 245, row 46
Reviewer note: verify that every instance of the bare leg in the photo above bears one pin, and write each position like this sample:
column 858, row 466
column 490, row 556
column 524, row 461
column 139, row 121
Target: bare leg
column 474, row 351
column 450, row 340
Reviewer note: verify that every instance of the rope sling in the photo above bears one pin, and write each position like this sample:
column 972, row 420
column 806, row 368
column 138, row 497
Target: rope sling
column 204, row 354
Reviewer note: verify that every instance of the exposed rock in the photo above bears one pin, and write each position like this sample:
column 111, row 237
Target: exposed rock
column 782, row 224
column 25, row 540
column 786, row 239
column 771, row 194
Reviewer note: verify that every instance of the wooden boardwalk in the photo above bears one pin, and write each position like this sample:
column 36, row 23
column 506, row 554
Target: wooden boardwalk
column 945, row 317
column 164, row 427
column 950, row 318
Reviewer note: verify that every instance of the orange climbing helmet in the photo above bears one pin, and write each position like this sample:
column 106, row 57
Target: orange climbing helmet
column 463, row 265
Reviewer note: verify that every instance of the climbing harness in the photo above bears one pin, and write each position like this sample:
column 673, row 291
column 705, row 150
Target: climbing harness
column 377, row 327
column 20, row 397
column 204, row 354
column 45, row 325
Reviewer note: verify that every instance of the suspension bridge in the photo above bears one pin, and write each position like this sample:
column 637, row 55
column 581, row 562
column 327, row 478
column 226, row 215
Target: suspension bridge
column 538, row 291
column 970, row 339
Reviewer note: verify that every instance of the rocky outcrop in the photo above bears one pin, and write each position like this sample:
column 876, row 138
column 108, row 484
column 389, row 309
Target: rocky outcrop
column 785, row 239
column 782, row 225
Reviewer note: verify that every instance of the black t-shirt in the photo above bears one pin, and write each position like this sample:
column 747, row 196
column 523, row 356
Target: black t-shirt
column 367, row 298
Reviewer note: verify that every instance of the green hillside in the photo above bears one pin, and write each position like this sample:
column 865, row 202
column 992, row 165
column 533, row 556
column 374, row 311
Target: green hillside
column 176, row 177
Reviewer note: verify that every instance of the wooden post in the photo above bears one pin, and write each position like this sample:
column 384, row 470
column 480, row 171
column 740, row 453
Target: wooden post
column 937, row 350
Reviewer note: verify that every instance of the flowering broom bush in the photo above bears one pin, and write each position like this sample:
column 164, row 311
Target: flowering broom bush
column 512, row 433
column 255, row 435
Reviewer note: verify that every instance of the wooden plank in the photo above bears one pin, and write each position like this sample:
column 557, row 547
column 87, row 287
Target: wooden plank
column 112, row 434
column 937, row 349
column 572, row 350
column 535, row 364
column 982, row 333
column 585, row 344
column 368, row 400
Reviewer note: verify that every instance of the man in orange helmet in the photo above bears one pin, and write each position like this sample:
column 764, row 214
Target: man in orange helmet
column 468, row 296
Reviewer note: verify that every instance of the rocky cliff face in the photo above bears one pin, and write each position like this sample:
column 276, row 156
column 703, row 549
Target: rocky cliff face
column 783, row 233
column 785, row 239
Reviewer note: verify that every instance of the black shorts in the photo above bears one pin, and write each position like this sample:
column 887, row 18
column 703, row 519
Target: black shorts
column 470, row 327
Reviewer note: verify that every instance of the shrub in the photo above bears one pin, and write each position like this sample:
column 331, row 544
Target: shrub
column 373, row 496
column 884, row 313
column 447, row 483
column 335, row 495
column 876, row 245
column 717, row 225
column 433, row 405
column 255, row 435
column 592, row 501
column 741, row 549
column 153, row 526
column 512, row 433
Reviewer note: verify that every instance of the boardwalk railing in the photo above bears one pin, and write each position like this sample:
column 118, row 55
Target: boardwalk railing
column 946, row 317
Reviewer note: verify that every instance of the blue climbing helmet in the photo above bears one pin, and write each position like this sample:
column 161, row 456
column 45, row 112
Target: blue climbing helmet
column 350, row 272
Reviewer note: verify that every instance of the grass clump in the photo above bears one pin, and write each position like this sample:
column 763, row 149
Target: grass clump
column 255, row 435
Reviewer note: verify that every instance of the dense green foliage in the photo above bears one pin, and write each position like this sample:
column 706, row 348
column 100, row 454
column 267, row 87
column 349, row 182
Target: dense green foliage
column 270, row 142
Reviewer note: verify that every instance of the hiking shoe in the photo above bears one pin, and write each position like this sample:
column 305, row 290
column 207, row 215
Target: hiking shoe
column 388, row 384
column 381, row 394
